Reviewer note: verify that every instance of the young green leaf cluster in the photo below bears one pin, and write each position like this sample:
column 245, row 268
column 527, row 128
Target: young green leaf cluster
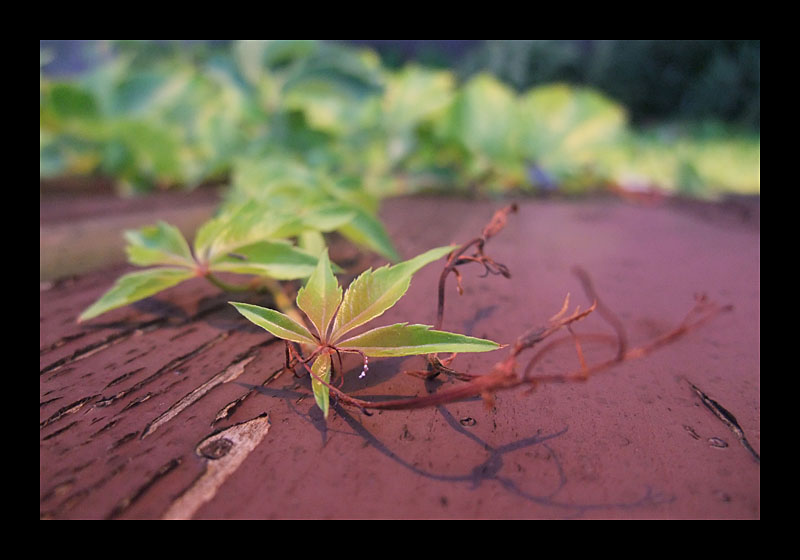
column 268, row 204
column 334, row 315
column 246, row 240
column 322, row 201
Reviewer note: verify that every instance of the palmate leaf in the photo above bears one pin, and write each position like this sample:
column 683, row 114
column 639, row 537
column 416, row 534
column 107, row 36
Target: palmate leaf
column 373, row 292
column 259, row 221
column 315, row 197
column 240, row 226
column 566, row 125
column 163, row 244
column 276, row 259
column 327, row 217
column 320, row 297
column 364, row 229
column 136, row 286
column 403, row 339
column 158, row 244
column 413, row 95
column 484, row 119
column 276, row 323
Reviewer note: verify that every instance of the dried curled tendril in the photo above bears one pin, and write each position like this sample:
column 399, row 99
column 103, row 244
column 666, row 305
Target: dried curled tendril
column 510, row 373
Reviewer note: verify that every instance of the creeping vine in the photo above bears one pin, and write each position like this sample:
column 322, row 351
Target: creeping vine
column 512, row 372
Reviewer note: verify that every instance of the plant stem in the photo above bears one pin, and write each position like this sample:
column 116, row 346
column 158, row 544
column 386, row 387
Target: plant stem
column 282, row 302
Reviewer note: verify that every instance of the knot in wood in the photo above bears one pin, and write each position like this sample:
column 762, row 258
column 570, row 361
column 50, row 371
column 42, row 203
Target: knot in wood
column 215, row 449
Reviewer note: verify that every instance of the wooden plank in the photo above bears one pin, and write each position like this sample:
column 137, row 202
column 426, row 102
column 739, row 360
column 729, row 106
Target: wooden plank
column 78, row 235
column 178, row 408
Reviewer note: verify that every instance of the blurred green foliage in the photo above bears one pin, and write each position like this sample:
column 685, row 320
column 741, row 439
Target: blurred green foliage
column 655, row 80
column 335, row 128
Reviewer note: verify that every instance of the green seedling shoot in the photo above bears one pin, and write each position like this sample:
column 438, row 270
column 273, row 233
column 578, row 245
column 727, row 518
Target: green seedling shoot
column 242, row 242
column 333, row 317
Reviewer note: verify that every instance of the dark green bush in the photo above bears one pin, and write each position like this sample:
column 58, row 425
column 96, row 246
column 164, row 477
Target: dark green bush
column 654, row 79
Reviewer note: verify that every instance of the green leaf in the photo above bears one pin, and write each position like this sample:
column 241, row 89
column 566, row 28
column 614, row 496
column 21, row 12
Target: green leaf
column 565, row 125
column 154, row 145
column 159, row 244
column 484, row 118
column 414, row 94
column 275, row 259
column 403, row 339
column 255, row 57
column 136, row 286
column 322, row 369
column 311, row 241
column 368, row 231
column 72, row 101
column 320, row 297
column 207, row 234
column 242, row 225
column 373, row 292
column 328, row 216
column 275, row 323
column 348, row 72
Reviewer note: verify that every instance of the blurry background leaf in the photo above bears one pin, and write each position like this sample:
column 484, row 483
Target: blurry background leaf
column 563, row 130
column 161, row 114
column 159, row 244
column 367, row 230
column 71, row 101
column 484, row 119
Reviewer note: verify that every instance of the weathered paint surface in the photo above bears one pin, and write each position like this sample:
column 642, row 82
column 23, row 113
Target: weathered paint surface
column 178, row 408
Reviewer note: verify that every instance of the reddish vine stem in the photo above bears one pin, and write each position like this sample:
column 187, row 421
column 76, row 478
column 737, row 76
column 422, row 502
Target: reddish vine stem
column 456, row 258
column 505, row 374
column 603, row 311
column 700, row 314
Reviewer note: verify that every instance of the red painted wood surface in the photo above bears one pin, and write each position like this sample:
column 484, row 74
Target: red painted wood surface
column 176, row 407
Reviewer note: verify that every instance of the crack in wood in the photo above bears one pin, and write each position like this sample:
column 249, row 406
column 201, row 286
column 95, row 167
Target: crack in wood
column 727, row 418
column 230, row 373
column 105, row 428
column 182, row 334
column 61, row 342
column 127, row 502
column 227, row 411
column 48, row 401
column 123, row 440
column 139, row 355
column 69, row 409
column 224, row 451
column 122, row 377
column 75, row 498
column 95, row 347
column 116, row 338
column 136, row 402
column 173, row 364
column 74, row 469
column 59, row 431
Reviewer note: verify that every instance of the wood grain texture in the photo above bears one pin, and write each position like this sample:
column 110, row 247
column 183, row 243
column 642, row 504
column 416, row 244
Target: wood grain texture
column 140, row 408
